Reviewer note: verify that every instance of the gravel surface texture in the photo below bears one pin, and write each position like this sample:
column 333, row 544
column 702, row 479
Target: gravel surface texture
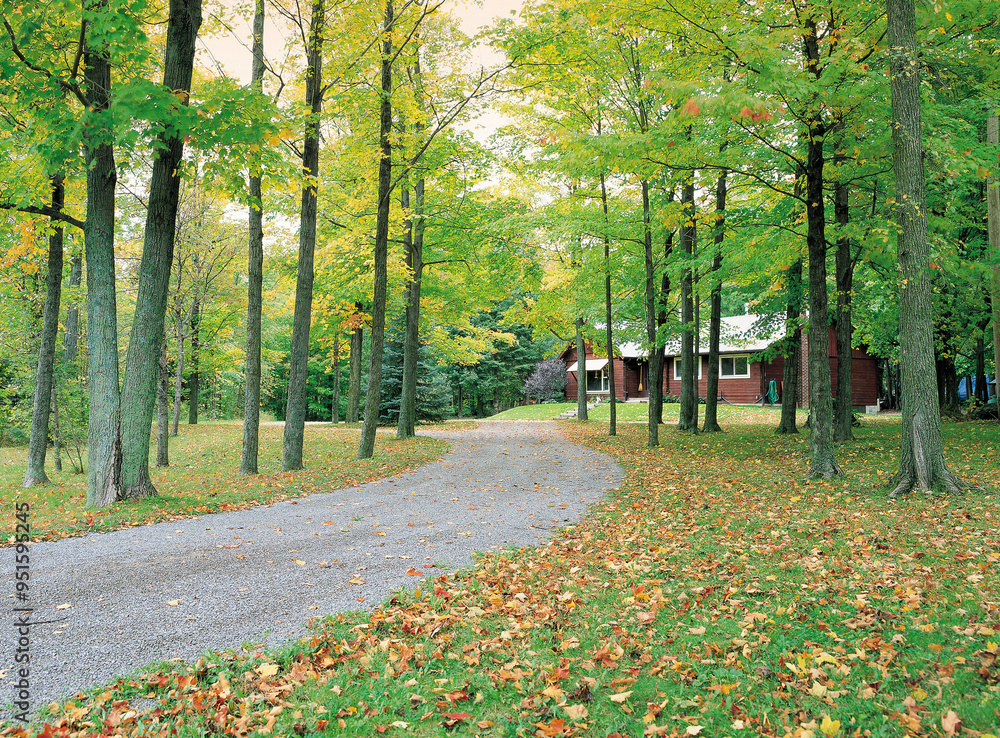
column 110, row 604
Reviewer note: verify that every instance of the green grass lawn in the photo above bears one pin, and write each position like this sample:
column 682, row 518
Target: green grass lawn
column 202, row 477
column 716, row 593
column 535, row 412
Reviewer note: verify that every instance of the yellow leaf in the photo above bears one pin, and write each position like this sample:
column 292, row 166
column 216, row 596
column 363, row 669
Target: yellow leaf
column 267, row 670
column 620, row 697
column 919, row 694
column 576, row 712
column 829, row 726
column 300, row 562
column 948, row 16
column 553, row 691
column 817, row 690
column 693, row 729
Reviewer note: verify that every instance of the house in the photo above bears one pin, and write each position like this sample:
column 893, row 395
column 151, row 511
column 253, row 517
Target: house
column 744, row 377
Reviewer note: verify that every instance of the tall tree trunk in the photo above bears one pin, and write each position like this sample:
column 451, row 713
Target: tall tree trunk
column 823, row 462
column 298, row 359
column 993, row 228
column 41, row 406
column 790, row 376
column 71, row 336
column 194, row 376
column 922, row 464
column 581, row 372
column 688, row 419
column 163, row 409
column 711, row 424
column 374, row 397
column 461, row 399
column 141, row 364
column 178, row 376
column 103, row 447
column 255, row 273
column 612, row 414
column 655, row 377
column 335, row 400
column 354, row 387
column 414, row 256
column 843, row 407
column 661, row 311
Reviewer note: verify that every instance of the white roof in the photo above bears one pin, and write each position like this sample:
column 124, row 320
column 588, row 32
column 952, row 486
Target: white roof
column 739, row 334
column 593, row 365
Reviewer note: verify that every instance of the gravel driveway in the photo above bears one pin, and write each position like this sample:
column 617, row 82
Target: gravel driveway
column 109, row 604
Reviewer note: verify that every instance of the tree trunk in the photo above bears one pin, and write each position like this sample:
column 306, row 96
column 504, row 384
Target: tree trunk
column 372, row 401
column 922, row 464
column 141, row 364
column 980, row 391
column 461, row 399
column 790, row 376
column 688, row 419
column 711, row 424
column 41, row 406
column 163, row 407
column 993, row 229
column 298, row 359
column 103, row 449
column 823, row 462
column 194, row 376
column 178, row 378
column 581, row 373
column 843, row 407
column 255, row 274
column 655, row 377
column 612, row 414
column 335, row 400
column 414, row 256
column 354, row 389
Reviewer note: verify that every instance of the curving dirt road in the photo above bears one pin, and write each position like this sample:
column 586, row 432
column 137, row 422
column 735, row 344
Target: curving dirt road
column 109, row 604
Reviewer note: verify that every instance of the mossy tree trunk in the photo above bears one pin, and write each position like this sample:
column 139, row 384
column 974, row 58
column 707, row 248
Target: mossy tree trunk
column 138, row 396
column 374, row 397
column 41, row 407
column 255, row 274
column 922, row 465
column 103, row 392
column 298, row 358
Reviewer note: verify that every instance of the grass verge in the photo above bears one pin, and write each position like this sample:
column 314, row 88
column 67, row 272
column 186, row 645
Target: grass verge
column 716, row 593
column 202, row 477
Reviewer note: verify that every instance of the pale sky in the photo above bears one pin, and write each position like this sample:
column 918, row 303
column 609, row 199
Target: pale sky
column 233, row 52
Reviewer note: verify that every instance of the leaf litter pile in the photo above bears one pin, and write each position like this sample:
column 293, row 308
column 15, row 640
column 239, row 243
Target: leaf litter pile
column 717, row 593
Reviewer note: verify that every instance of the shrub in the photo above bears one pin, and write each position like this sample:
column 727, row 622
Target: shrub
column 547, row 382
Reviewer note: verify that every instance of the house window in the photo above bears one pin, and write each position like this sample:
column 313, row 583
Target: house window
column 734, row 366
column 597, row 381
column 677, row 368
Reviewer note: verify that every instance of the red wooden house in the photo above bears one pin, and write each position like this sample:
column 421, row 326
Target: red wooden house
column 743, row 378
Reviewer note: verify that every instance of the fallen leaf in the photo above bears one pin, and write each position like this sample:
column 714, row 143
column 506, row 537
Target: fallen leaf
column 693, row 729
column 620, row 697
column 829, row 726
column 576, row 712
column 267, row 670
column 951, row 723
